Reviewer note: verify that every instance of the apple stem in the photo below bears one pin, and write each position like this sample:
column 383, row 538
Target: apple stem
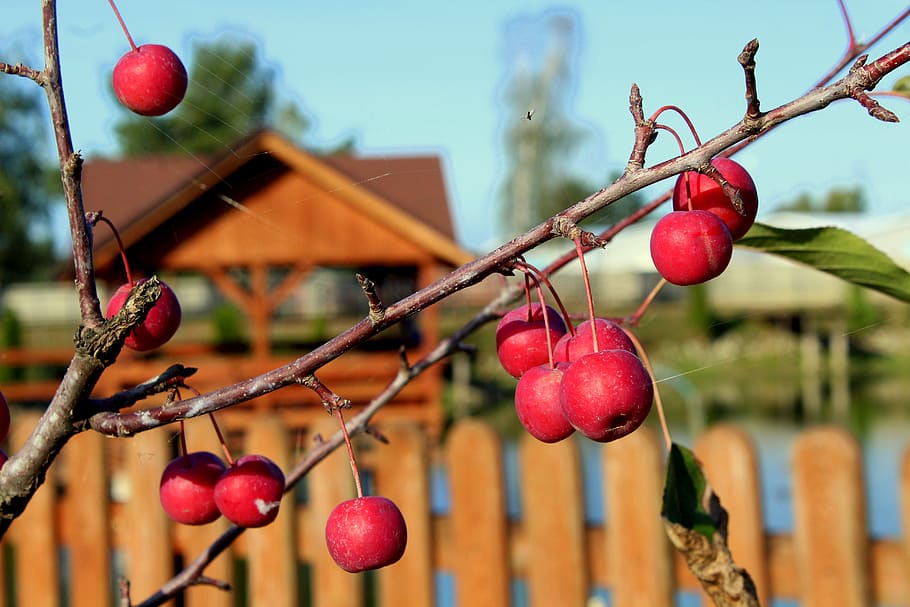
column 546, row 323
column 679, row 111
column 126, row 263
column 182, row 438
column 224, row 447
column 542, row 277
column 635, row 318
column 347, row 442
column 579, row 249
column 664, row 428
column 123, row 25
column 529, row 315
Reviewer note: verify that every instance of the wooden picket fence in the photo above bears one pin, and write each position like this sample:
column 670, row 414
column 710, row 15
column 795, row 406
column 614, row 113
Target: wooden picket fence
column 98, row 517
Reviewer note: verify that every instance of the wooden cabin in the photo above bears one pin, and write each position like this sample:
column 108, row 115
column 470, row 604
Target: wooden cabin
column 255, row 225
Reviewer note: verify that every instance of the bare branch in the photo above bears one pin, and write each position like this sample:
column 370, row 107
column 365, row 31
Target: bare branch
column 377, row 310
column 24, row 71
column 644, row 131
column 169, row 378
column 747, row 60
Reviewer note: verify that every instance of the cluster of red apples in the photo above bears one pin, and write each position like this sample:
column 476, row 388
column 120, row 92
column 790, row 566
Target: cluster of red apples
column 587, row 378
column 694, row 243
column 594, row 378
column 197, row 488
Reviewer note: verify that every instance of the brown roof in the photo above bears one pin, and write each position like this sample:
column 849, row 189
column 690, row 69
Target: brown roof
column 138, row 194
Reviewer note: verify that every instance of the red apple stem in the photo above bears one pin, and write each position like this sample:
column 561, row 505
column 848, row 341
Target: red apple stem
column 182, row 438
column 224, row 447
column 546, row 323
column 679, row 111
column 635, row 318
column 542, row 277
column 664, row 428
column 126, row 263
column 579, row 249
column 682, row 150
column 123, row 25
column 528, row 297
column 347, row 442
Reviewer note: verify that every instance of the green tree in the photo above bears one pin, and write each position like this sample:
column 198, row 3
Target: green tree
column 231, row 94
column 837, row 200
column 540, row 139
column 27, row 184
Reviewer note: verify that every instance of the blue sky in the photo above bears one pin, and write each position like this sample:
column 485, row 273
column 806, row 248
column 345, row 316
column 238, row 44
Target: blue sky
column 427, row 77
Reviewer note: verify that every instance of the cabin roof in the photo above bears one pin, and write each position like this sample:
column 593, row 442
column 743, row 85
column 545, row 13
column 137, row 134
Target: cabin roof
column 404, row 193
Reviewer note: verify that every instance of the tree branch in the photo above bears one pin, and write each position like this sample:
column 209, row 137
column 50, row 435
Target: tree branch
column 470, row 274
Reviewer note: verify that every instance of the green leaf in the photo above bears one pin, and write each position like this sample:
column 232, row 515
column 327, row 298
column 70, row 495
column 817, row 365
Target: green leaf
column 686, row 493
column 835, row 251
column 902, row 85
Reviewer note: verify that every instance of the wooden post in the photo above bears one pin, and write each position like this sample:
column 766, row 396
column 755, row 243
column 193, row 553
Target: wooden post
column 830, row 519
column 479, row 545
column 553, row 518
column 34, row 534
column 271, row 550
column 730, row 462
column 88, row 520
column 639, row 555
column 329, row 484
column 402, row 475
column 194, row 539
column 147, row 543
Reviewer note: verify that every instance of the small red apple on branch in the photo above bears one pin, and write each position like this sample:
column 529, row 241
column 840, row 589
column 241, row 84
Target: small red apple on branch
column 149, row 79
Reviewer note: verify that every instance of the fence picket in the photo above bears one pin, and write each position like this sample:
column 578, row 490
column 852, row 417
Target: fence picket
column 329, row 484
column 87, row 520
column 34, row 534
column 194, row 539
column 553, row 517
column 479, row 543
column 639, row 557
column 830, row 519
column 271, row 550
column 731, row 464
column 147, row 545
column 402, row 474
column 829, row 560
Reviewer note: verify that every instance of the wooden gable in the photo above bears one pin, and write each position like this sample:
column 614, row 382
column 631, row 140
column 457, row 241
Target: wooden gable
column 271, row 203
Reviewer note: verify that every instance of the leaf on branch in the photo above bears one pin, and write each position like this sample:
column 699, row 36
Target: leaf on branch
column 696, row 524
column 835, row 251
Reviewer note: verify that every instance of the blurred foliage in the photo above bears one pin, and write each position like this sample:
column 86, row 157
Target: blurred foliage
column 29, row 182
column 836, row 200
column 540, row 140
column 10, row 337
column 902, row 85
column 229, row 325
column 231, row 94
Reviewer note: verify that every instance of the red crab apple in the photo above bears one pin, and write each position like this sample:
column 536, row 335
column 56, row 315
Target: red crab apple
column 187, row 488
column 690, row 247
column 4, row 417
column 150, row 80
column 159, row 325
column 3, row 458
column 249, row 493
column 610, row 336
column 366, row 533
column 537, row 403
column 606, row 395
column 694, row 191
column 521, row 337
